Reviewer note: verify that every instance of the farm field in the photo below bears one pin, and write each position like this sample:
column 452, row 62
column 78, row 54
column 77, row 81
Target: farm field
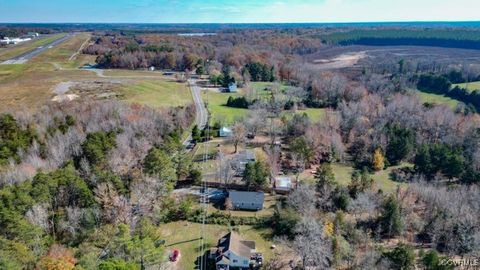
column 27, row 46
column 158, row 93
column 185, row 237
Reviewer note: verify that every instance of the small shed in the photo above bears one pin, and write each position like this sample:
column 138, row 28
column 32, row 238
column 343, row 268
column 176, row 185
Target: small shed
column 282, row 184
column 225, row 132
column 232, row 87
column 246, row 200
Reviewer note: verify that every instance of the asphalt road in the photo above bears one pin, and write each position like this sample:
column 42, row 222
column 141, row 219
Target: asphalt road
column 201, row 117
column 23, row 58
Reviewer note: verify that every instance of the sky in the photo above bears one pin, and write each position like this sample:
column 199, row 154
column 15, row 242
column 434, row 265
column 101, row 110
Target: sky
column 236, row 11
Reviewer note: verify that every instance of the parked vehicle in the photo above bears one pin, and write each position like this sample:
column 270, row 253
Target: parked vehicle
column 175, row 255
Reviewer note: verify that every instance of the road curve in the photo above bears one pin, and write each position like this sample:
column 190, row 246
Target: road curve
column 201, row 117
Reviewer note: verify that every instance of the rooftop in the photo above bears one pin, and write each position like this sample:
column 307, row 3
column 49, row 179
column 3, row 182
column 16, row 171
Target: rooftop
column 246, row 196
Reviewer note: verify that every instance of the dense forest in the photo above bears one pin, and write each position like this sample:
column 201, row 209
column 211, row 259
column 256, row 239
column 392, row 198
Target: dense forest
column 466, row 39
column 75, row 176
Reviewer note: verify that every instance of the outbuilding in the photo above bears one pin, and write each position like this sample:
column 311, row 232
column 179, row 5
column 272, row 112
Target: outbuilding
column 282, row 184
column 225, row 132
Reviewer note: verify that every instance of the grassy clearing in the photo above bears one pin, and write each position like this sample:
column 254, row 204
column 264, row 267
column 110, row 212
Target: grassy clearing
column 343, row 175
column 157, row 93
column 27, row 46
column 437, row 99
column 185, row 237
column 218, row 109
column 471, row 86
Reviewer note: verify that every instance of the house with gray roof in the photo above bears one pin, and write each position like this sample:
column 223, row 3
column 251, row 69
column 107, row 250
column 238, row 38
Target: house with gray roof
column 246, row 200
column 234, row 253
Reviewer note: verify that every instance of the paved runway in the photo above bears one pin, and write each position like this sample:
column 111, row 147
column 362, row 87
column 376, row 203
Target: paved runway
column 23, row 58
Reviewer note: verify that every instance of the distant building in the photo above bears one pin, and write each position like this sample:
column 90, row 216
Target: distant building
column 232, row 87
column 7, row 40
column 152, row 68
column 33, row 34
column 233, row 252
column 225, row 132
column 282, row 184
column 246, row 200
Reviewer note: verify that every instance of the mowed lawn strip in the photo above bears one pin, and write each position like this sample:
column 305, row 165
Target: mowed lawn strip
column 185, row 236
column 27, row 46
column 158, row 93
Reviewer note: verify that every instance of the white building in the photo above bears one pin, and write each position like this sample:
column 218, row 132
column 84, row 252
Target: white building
column 7, row 40
column 232, row 87
column 225, row 132
column 233, row 253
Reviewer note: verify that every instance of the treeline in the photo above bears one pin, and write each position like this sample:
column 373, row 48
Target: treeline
column 451, row 38
column 239, row 51
column 79, row 183
column 442, row 85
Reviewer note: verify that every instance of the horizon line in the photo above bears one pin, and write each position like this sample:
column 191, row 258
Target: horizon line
column 226, row 23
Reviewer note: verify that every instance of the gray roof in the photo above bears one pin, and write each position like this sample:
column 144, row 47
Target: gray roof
column 246, row 197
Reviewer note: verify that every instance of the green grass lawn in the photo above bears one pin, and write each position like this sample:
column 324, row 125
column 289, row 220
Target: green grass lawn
column 471, row 86
column 437, row 99
column 343, row 175
column 217, row 106
column 315, row 115
column 158, row 93
column 27, row 46
column 185, row 237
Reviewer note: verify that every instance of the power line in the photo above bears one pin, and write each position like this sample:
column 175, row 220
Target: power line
column 204, row 196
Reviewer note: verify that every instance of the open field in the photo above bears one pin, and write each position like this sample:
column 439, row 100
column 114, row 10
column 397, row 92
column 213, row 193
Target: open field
column 27, row 46
column 185, row 237
column 220, row 112
column 373, row 53
column 471, row 86
column 343, row 176
column 437, row 99
column 157, row 93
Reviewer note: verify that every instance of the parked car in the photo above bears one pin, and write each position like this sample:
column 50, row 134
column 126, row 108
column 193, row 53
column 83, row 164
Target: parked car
column 175, row 255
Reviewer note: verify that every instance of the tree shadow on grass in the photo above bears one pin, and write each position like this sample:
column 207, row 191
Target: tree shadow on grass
column 183, row 242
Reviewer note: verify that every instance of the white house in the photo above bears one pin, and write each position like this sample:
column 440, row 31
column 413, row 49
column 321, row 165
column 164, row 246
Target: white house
column 225, row 132
column 233, row 252
column 232, row 87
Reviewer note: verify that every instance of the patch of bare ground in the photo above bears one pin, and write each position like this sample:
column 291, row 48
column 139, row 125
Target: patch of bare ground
column 90, row 90
column 340, row 61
